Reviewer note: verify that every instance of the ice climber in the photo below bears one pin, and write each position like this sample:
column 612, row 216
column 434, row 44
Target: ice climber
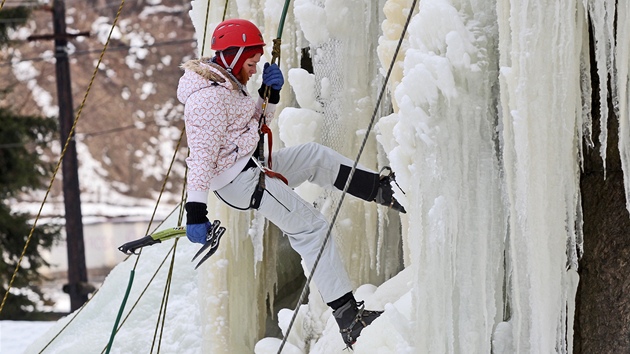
column 222, row 126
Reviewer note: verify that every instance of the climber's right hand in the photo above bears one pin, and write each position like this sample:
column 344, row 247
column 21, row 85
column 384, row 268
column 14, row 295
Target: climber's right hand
column 272, row 76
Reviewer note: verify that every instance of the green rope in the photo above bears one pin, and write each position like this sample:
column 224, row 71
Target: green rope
column 167, row 289
column 275, row 57
column 143, row 291
column 160, row 317
column 282, row 18
column 120, row 311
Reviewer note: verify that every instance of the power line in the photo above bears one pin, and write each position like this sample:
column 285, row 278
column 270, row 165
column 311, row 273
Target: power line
column 118, row 129
column 22, row 3
column 89, row 135
column 13, row 20
column 119, row 48
column 11, row 145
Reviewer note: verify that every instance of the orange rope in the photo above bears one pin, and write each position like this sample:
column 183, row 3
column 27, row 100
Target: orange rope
column 267, row 131
column 277, row 175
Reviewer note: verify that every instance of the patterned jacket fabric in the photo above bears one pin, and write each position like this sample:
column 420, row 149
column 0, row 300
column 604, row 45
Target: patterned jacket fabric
column 221, row 124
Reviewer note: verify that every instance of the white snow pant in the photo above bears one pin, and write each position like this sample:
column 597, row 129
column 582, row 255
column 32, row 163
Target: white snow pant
column 305, row 226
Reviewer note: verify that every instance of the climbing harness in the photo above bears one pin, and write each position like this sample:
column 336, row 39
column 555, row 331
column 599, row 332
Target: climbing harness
column 345, row 189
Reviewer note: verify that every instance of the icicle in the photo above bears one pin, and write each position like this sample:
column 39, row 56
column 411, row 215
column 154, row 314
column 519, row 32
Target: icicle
column 586, row 132
column 623, row 63
column 602, row 15
column 256, row 233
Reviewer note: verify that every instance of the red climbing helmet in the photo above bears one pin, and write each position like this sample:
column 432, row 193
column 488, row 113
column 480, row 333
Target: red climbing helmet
column 236, row 33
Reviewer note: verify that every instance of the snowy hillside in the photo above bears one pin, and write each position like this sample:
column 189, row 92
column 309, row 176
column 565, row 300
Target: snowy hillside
column 482, row 126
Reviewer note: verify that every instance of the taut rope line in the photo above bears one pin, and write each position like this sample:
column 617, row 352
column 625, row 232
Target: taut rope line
column 205, row 30
column 163, row 305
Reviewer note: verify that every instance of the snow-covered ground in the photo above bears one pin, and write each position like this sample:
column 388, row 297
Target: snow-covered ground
column 15, row 336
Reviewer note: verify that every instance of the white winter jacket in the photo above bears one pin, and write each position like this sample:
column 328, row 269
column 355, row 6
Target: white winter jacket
column 221, row 126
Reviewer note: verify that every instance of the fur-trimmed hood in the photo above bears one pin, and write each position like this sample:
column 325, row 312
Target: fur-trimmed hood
column 202, row 73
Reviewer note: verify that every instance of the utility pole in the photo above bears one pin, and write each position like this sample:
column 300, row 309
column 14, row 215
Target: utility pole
column 77, row 287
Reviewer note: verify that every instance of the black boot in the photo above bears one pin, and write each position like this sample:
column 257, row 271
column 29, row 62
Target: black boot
column 352, row 318
column 370, row 186
column 385, row 195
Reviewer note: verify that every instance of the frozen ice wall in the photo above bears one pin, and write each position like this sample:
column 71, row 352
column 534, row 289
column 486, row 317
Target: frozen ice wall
column 443, row 144
column 541, row 111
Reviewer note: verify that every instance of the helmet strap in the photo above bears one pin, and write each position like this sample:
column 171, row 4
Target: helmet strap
column 234, row 61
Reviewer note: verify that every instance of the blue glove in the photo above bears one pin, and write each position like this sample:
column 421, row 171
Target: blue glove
column 272, row 76
column 197, row 232
column 197, row 223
